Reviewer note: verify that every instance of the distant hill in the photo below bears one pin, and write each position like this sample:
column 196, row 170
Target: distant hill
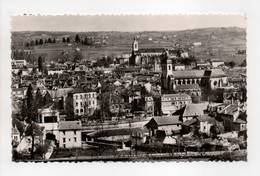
column 221, row 43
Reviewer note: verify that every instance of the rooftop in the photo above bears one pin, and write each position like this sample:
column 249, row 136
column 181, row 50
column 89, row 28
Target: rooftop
column 70, row 125
column 195, row 109
column 166, row 120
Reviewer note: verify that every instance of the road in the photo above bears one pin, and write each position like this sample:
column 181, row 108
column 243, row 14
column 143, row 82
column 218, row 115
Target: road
column 155, row 156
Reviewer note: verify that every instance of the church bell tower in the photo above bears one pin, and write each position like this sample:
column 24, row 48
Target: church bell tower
column 135, row 46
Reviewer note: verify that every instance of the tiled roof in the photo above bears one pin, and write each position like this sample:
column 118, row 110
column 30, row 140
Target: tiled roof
column 190, row 122
column 181, row 74
column 167, row 120
column 214, row 73
column 206, row 118
column 230, row 109
column 70, row 125
column 194, row 109
column 175, row 95
column 151, row 50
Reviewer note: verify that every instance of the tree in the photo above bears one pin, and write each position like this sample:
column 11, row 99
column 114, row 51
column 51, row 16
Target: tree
column 40, row 66
column 49, row 40
column 69, row 106
column 27, row 45
column 41, row 42
column 231, row 64
column 243, row 64
column 30, row 112
column 77, row 39
column 68, row 40
column 54, row 40
column 63, row 39
column 36, row 42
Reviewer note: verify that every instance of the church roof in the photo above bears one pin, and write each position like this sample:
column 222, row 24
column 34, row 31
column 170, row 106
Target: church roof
column 150, row 50
column 181, row 74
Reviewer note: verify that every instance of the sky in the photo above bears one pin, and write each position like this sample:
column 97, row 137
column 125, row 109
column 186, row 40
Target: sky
column 123, row 23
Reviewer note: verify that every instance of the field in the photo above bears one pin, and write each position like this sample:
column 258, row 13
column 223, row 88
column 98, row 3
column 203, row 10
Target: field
column 220, row 43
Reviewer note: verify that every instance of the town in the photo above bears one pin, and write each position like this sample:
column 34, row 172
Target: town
column 148, row 101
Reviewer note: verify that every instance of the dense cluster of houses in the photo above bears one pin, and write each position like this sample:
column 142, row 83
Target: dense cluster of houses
column 145, row 90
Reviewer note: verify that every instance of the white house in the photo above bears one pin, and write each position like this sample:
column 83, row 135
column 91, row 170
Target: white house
column 84, row 103
column 70, row 134
column 173, row 102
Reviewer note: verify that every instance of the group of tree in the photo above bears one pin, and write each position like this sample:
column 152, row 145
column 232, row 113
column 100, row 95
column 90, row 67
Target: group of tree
column 231, row 64
column 40, row 42
column 103, row 62
column 186, row 61
column 29, row 113
column 65, row 40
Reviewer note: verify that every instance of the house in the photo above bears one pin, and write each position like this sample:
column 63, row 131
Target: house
column 169, row 124
column 19, row 93
column 216, row 63
column 179, row 67
column 189, row 125
column 229, row 115
column 49, row 118
column 84, row 103
column 16, row 136
column 116, row 104
column 19, row 63
column 193, row 110
column 206, row 122
column 70, row 134
column 173, row 102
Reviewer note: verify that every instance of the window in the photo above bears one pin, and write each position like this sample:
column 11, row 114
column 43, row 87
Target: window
column 169, row 67
column 81, row 110
column 76, row 96
column 64, row 145
column 77, row 103
column 80, row 96
column 75, row 139
column 69, row 139
column 80, row 103
column 75, row 132
column 64, row 140
column 63, row 132
column 93, row 102
column 77, row 111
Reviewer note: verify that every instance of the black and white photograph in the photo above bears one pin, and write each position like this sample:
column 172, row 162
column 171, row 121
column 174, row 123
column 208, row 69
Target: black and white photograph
column 128, row 88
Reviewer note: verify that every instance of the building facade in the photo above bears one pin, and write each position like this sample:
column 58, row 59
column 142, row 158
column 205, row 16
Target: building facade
column 84, row 103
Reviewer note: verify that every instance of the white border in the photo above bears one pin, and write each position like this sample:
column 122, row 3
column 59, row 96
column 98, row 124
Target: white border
column 251, row 8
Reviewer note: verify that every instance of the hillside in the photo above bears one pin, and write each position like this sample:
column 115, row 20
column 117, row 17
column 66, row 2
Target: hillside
column 221, row 43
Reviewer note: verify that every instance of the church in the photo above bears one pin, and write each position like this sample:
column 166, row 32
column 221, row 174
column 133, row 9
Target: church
column 144, row 56
column 171, row 79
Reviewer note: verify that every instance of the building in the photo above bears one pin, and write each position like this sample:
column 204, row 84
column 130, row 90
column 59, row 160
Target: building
column 179, row 67
column 169, row 124
column 216, row 63
column 192, row 111
column 206, row 122
column 170, row 103
column 70, row 134
column 144, row 55
column 49, row 118
column 19, row 63
column 84, row 103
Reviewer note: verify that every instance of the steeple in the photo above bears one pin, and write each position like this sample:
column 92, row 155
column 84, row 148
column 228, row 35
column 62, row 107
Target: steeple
column 135, row 46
